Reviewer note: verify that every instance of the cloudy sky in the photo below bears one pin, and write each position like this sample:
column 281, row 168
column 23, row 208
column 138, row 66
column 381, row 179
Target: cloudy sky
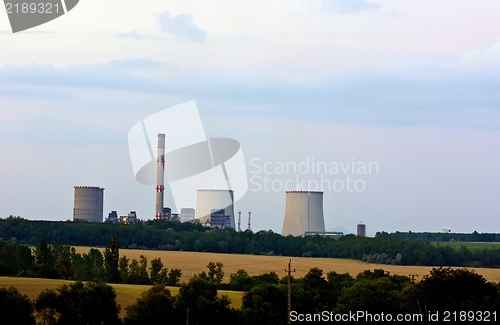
column 410, row 87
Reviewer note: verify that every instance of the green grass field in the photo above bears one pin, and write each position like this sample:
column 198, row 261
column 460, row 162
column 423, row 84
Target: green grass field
column 470, row 245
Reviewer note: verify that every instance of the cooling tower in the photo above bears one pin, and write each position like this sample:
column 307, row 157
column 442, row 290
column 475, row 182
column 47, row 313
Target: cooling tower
column 303, row 212
column 207, row 200
column 88, row 203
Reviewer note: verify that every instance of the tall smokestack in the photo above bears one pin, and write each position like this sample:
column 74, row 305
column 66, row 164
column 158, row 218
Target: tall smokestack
column 160, row 176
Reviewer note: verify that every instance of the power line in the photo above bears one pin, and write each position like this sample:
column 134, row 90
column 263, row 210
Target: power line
column 289, row 270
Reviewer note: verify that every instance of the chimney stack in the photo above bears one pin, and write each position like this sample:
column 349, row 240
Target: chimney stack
column 160, row 176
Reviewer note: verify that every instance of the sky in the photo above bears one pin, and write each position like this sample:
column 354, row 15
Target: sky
column 408, row 88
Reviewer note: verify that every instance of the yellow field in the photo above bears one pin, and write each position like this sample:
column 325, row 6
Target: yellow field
column 126, row 294
column 191, row 263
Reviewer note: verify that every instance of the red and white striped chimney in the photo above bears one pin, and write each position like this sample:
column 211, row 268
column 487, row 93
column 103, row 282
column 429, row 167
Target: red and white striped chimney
column 160, row 176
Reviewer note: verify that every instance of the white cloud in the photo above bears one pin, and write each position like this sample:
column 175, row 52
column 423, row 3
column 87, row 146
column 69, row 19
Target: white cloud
column 484, row 57
column 350, row 6
column 135, row 36
column 181, row 26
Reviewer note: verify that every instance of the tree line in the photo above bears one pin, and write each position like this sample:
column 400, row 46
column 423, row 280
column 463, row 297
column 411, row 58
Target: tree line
column 265, row 300
column 166, row 235
column 63, row 262
column 434, row 237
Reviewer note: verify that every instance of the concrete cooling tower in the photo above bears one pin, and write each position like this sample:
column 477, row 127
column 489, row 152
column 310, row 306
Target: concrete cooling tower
column 207, row 200
column 303, row 212
column 88, row 203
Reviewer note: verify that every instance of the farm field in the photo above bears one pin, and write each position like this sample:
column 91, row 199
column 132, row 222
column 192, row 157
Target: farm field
column 126, row 294
column 191, row 263
column 471, row 245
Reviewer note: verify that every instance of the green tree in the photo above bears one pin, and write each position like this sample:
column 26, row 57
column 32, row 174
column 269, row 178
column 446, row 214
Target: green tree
column 138, row 273
column 111, row 258
column 456, row 289
column 240, row 281
column 89, row 266
column 123, row 269
column 265, row 304
column 215, row 273
column 92, row 303
column 65, row 269
column 155, row 271
column 15, row 309
column 41, row 252
column 14, row 258
column 266, row 278
column 374, row 292
column 154, row 307
column 313, row 293
column 173, row 278
column 198, row 301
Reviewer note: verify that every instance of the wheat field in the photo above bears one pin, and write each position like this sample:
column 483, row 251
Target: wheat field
column 191, row 263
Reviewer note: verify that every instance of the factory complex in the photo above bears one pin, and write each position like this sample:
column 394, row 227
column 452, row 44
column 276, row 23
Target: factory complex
column 214, row 207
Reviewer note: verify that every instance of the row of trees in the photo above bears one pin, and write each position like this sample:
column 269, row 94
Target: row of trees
column 63, row 262
column 189, row 237
column 198, row 302
column 440, row 237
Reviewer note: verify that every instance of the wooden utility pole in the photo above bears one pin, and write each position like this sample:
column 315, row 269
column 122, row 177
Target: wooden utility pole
column 289, row 270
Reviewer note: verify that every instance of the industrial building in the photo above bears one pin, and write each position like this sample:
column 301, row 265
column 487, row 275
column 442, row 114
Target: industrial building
column 167, row 214
column 187, row 214
column 113, row 216
column 219, row 219
column 326, row 234
column 303, row 213
column 88, row 203
column 361, row 230
column 130, row 218
column 208, row 199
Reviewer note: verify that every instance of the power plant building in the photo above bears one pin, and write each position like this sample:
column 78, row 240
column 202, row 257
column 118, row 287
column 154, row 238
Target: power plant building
column 209, row 199
column 88, row 204
column 187, row 214
column 361, row 230
column 217, row 218
column 303, row 213
column 167, row 213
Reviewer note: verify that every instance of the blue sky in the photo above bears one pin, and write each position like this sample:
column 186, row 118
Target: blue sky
column 413, row 87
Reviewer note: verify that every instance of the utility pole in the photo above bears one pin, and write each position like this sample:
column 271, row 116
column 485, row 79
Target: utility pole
column 289, row 270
